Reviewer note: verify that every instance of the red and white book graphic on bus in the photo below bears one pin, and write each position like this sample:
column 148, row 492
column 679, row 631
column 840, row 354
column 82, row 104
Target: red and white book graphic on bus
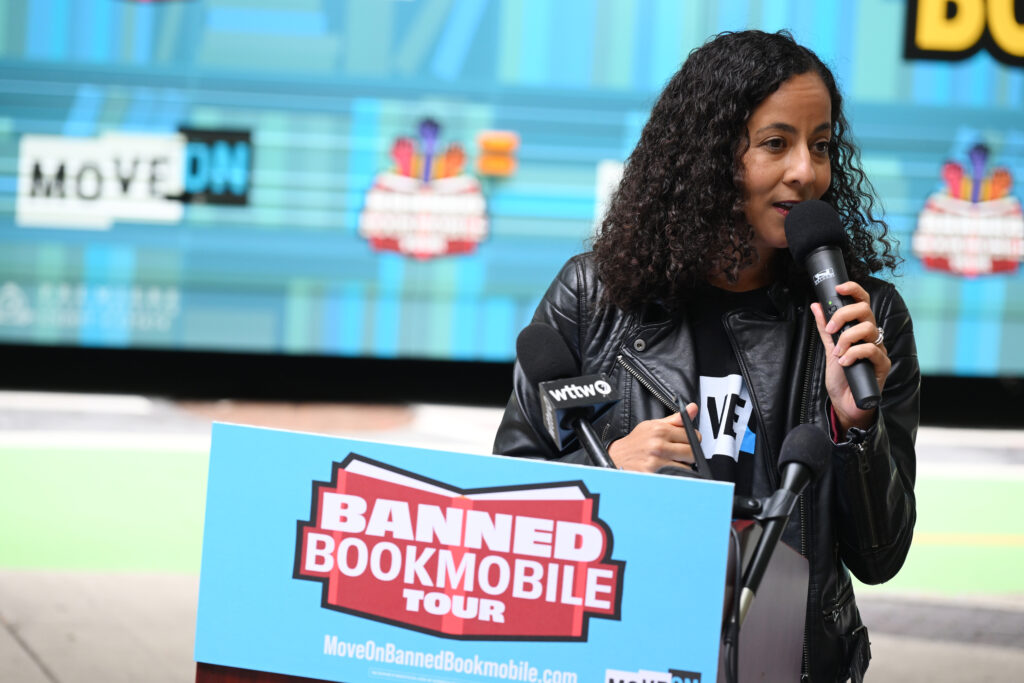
column 974, row 226
column 507, row 563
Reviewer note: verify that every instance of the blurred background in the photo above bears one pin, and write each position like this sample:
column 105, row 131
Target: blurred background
column 335, row 216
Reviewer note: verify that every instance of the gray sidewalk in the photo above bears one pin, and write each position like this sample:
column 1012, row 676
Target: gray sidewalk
column 68, row 627
column 83, row 628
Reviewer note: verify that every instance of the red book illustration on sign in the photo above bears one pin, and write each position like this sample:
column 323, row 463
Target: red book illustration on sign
column 510, row 563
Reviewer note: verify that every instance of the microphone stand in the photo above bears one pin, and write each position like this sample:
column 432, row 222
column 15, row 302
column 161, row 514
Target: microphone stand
column 747, row 507
column 772, row 512
column 591, row 442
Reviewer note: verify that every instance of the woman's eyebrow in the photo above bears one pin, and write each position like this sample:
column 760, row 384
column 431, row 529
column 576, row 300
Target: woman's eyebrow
column 787, row 128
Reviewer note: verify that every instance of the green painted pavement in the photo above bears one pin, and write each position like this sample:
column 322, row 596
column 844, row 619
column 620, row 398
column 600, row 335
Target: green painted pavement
column 129, row 510
column 105, row 510
column 968, row 539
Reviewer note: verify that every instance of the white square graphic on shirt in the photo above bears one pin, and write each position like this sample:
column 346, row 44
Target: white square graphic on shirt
column 725, row 410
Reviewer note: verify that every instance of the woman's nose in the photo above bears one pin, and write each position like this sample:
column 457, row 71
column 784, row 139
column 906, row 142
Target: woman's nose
column 800, row 168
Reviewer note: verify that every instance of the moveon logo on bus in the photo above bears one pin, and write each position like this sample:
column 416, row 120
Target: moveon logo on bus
column 509, row 563
column 94, row 182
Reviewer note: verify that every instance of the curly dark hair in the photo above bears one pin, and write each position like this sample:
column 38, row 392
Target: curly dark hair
column 677, row 217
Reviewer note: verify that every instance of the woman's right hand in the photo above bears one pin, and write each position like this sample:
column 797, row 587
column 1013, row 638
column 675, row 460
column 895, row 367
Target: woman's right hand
column 653, row 444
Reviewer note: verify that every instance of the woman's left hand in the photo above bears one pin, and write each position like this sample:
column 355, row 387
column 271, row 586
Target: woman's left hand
column 846, row 350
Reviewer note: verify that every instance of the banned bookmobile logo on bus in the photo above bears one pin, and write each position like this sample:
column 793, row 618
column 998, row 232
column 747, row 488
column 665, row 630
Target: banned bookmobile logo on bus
column 509, row 563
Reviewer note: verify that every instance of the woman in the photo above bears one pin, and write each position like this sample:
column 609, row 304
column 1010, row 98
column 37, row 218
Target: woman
column 691, row 292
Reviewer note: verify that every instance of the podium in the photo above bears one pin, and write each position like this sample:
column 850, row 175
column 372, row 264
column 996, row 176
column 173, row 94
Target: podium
column 771, row 639
column 328, row 559
column 211, row 673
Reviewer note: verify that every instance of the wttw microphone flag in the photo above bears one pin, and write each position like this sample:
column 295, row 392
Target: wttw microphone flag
column 563, row 399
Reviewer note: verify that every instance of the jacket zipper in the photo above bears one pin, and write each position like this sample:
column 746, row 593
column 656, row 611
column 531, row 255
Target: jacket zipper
column 804, row 418
column 772, row 478
column 647, row 383
column 804, row 400
column 863, row 466
column 808, row 368
column 841, row 601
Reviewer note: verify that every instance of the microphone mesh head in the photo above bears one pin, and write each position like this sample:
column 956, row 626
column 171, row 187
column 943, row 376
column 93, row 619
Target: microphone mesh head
column 810, row 225
column 808, row 445
column 543, row 354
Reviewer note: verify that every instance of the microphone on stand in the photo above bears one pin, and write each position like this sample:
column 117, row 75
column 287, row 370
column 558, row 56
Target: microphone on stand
column 569, row 403
column 814, row 235
column 805, row 452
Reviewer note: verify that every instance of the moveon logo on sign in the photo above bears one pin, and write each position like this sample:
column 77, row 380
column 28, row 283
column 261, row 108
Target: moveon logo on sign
column 508, row 563
column 648, row 676
column 78, row 182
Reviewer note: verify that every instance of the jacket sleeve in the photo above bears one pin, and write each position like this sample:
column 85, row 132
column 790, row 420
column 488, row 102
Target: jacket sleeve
column 521, row 432
column 875, row 468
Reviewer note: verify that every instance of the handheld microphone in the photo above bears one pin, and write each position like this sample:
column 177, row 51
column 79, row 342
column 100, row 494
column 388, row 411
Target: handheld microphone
column 805, row 452
column 568, row 403
column 814, row 234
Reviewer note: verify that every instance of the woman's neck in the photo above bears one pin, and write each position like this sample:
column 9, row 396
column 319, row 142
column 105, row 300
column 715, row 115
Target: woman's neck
column 760, row 273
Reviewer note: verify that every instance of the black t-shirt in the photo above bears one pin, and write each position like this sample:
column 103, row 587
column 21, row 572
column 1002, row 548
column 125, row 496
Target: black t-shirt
column 725, row 419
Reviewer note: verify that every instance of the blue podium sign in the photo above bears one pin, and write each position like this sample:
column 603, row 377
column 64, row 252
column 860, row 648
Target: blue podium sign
column 356, row 561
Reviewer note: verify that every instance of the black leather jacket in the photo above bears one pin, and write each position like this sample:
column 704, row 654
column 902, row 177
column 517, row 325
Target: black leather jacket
column 857, row 517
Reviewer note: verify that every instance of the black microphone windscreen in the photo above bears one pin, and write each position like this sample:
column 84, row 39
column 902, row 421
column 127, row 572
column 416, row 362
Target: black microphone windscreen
column 810, row 225
column 808, row 445
column 543, row 354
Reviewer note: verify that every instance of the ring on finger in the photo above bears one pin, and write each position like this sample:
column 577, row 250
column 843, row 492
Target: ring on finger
column 881, row 337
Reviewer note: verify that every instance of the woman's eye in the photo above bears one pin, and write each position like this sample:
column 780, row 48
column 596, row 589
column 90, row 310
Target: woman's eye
column 822, row 146
column 774, row 143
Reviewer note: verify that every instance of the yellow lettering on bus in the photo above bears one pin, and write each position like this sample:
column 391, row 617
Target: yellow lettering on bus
column 1006, row 31
column 938, row 32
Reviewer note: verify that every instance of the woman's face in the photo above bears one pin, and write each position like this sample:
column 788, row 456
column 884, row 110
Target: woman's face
column 788, row 158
